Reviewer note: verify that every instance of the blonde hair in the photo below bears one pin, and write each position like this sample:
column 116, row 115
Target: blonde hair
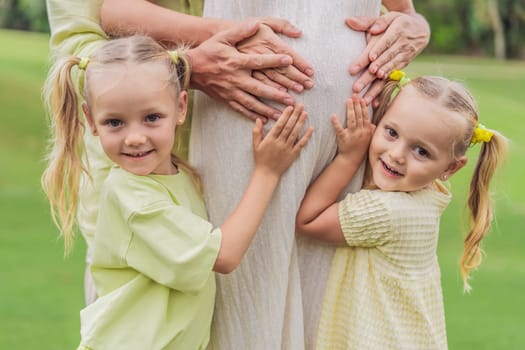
column 456, row 98
column 61, row 178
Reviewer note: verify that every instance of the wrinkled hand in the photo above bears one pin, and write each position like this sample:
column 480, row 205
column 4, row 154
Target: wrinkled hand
column 353, row 141
column 222, row 72
column 295, row 77
column 281, row 146
column 393, row 40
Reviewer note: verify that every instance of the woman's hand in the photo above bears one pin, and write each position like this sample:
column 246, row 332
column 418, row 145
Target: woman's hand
column 276, row 151
column 295, row 77
column 224, row 73
column 393, row 40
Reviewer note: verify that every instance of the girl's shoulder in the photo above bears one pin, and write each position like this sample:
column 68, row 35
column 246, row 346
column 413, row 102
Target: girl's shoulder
column 134, row 192
column 137, row 191
column 438, row 197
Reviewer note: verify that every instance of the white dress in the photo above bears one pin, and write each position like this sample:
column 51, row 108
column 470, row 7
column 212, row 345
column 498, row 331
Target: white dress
column 273, row 300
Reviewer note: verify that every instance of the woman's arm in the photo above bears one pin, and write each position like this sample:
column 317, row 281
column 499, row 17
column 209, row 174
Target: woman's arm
column 273, row 154
column 219, row 69
column 124, row 17
column 318, row 215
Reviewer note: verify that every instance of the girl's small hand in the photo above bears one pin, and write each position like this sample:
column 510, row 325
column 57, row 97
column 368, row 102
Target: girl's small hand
column 355, row 138
column 278, row 149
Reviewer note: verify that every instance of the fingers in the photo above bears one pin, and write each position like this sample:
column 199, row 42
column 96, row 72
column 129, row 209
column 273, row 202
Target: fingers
column 286, row 121
column 356, row 115
column 261, row 76
column 373, row 92
column 290, row 125
column 356, row 112
column 337, row 126
column 239, row 32
column 262, row 61
column 249, row 88
column 296, row 119
column 296, row 128
column 257, row 133
column 361, row 62
column 246, row 112
column 289, row 77
column 282, row 26
column 395, row 57
column 362, row 82
column 298, row 146
column 299, row 62
column 361, row 113
column 351, row 121
column 381, row 23
column 360, row 23
column 405, row 36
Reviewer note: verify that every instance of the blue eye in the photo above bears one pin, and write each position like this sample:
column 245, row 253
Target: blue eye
column 390, row 132
column 114, row 123
column 151, row 118
column 420, row 151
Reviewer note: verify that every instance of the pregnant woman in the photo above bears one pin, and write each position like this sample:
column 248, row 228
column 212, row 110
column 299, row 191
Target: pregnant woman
column 272, row 301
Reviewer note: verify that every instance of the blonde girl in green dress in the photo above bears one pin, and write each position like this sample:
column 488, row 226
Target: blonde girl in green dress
column 154, row 251
column 384, row 288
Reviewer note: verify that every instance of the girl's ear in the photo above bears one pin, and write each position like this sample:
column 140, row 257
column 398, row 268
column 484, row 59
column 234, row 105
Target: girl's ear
column 90, row 120
column 182, row 107
column 453, row 168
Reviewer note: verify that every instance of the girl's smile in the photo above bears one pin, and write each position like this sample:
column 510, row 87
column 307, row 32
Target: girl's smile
column 407, row 154
column 136, row 122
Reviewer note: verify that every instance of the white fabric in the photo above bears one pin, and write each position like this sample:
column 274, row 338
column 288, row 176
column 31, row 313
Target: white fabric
column 273, row 300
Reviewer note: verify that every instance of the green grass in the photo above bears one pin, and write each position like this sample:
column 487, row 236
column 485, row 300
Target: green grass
column 41, row 292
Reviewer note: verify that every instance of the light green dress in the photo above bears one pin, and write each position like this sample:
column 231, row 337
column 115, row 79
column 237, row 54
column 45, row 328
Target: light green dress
column 384, row 289
column 153, row 256
column 75, row 30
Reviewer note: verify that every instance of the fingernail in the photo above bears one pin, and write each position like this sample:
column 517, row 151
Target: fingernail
column 298, row 87
column 308, row 84
column 359, row 86
column 367, row 100
column 355, row 69
column 295, row 29
column 309, row 72
column 289, row 101
column 374, row 27
column 381, row 73
column 373, row 56
column 276, row 116
column 286, row 60
column 373, row 69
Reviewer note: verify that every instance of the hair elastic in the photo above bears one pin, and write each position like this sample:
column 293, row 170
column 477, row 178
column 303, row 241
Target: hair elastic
column 481, row 134
column 174, row 56
column 402, row 80
column 82, row 65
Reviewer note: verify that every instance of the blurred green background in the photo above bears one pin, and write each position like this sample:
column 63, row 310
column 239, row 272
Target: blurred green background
column 41, row 292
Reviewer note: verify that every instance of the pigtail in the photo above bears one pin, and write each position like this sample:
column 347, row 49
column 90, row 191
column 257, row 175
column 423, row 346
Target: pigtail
column 492, row 155
column 61, row 179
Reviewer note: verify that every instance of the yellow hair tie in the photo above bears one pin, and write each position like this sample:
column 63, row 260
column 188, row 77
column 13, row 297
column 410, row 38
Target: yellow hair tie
column 82, row 65
column 174, row 55
column 481, row 134
column 402, row 80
